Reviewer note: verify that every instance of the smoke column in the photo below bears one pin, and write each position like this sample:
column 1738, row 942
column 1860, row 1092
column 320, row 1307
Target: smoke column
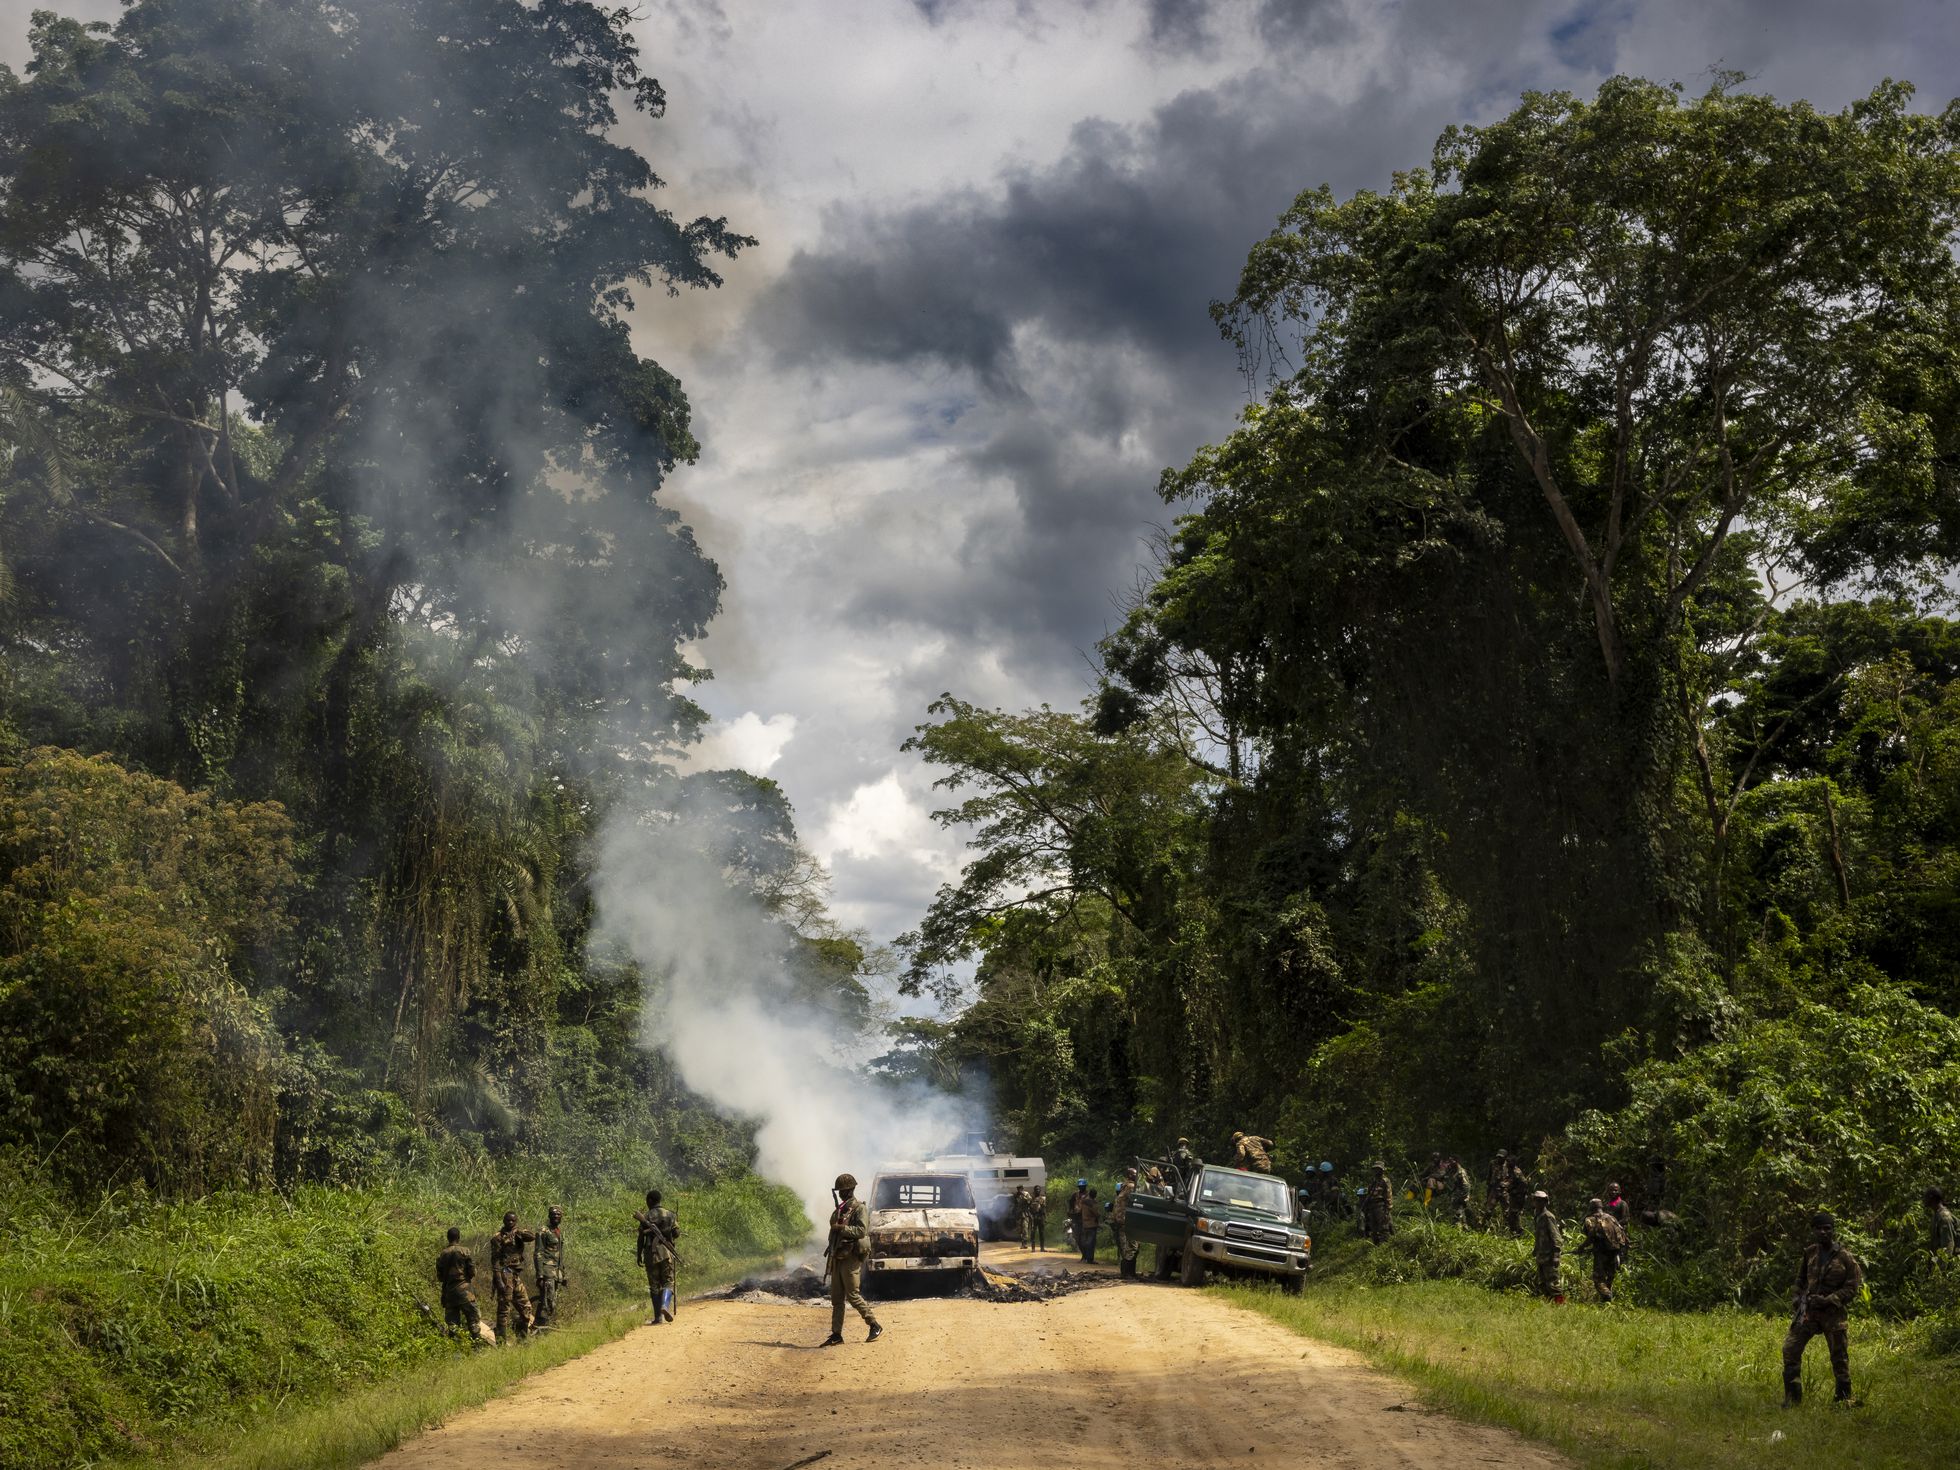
column 721, row 1005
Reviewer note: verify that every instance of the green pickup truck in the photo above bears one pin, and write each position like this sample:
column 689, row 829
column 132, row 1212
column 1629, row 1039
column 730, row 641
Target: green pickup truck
column 1223, row 1220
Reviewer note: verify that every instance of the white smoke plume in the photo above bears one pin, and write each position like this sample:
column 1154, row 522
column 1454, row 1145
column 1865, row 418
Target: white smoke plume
column 723, row 1003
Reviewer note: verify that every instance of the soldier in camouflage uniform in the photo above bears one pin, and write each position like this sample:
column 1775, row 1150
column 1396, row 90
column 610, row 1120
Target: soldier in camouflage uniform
column 1456, row 1190
column 1514, row 1185
column 1038, row 1217
column 1828, row 1282
column 1088, row 1221
column 1608, row 1239
column 850, row 1244
column 1377, row 1206
column 1547, row 1244
column 1249, row 1152
column 1940, row 1237
column 1119, row 1229
column 1186, row 1162
column 655, row 1250
column 550, row 1263
column 507, row 1276
column 456, row 1270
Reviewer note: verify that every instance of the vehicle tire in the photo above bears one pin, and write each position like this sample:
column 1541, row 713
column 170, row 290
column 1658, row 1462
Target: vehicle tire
column 1291, row 1284
column 1166, row 1263
column 1191, row 1271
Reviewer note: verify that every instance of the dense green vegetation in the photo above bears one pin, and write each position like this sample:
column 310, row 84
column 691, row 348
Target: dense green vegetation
column 1542, row 727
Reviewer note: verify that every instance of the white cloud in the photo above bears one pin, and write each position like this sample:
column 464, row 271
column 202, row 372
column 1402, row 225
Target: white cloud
column 746, row 743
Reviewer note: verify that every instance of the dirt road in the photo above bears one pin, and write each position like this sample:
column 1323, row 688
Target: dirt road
column 1131, row 1375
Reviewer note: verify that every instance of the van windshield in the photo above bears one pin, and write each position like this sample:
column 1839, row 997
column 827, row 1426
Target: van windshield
column 922, row 1192
column 1247, row 1191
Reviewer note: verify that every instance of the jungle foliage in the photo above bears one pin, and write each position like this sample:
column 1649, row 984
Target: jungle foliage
column 1539, row 729
column 340, row 600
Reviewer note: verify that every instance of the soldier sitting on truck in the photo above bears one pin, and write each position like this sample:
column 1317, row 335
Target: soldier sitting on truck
column 1249, row 1152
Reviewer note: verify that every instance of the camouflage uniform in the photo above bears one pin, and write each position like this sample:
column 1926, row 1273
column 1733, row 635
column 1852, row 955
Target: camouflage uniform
column 1249, row 1152
column 1827, row 1285
column 1088, row 1221
column 654, row 1250
column 1608, row 1239
column 1941, row 1239
column 456, row 1270
column 1456, row 1191
column 1021, row 1212
column 1119, row 1214
column 507, row 1276
column 1547, row 1248
column 1377, row 1208
column 551, row 1265
column 850, row 1229
column 1038, row 1220
column 1186, row 1162
column 1514, row 1185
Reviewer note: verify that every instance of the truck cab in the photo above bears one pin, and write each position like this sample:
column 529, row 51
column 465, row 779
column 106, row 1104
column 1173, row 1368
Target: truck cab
column 923, row 1223
column 1228, row 1220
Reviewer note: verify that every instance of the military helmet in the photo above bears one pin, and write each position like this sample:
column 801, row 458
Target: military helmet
column 1236, row 1136
column 845, row 1183
column 1326, row 1166
column 1081, row 1184
column 1502, row 1154
column 1540, row 1194
column 1597, row 1203
column 1183, row 1141
column 1379, row 1167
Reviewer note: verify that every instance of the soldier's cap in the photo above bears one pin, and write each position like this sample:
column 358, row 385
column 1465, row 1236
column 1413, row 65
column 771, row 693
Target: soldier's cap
column 1539, row 1194
column 1597, row 1203
column 845, row 1183
column 1184, row 1140
column 1236, row 1136
column 1822, row 1220
column 1379, row 1167
column 1502, row 1155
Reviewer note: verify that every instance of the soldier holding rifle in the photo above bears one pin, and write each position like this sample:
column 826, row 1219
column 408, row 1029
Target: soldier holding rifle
column 850, row 1230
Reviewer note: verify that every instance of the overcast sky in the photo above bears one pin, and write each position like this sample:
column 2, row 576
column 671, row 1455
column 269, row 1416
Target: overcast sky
column 936, row 400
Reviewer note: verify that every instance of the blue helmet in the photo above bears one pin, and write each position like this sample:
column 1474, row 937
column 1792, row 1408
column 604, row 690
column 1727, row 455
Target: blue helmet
column 1325, row 1167
column 1081, row 1184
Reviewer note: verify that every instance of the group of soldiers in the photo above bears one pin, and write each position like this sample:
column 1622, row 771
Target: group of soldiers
column 518, row 1312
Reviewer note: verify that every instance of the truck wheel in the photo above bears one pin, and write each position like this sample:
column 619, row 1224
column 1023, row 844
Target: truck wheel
column 1290, row 1285
column 1166, row 1262
column 1192, row 1270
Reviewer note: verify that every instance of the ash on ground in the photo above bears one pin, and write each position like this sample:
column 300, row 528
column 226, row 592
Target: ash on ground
column 806, row 1286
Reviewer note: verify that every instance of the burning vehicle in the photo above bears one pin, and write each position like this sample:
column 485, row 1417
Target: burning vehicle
column 922, row 1224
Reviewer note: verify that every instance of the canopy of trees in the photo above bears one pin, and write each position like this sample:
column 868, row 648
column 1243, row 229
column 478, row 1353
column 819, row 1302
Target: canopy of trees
column 1545, row 703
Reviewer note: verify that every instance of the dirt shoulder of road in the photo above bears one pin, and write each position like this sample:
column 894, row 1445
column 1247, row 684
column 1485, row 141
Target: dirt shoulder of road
column 1137, row 1372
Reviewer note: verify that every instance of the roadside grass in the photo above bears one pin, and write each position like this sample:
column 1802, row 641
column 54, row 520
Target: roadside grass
column 1638, row 1389
column 140, row 1332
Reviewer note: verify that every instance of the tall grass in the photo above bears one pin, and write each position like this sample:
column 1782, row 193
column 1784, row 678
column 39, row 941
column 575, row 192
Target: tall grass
column 135, row 1329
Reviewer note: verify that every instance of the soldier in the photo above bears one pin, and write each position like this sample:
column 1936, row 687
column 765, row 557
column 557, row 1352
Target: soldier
column 1828, row 1281
column 850, row 1230
column 1377, row 1206
column 1432, row 1179
column 1153, row 1181
column 656, row 1249
column 456, row 1270
column 1494, row 1183
column 550, row 1259
column 507, row 1276
column 1020, row 1212
column 1038, row 1217
column 1074, row 1226
column 1331, row 1198
column 1514, row 1186
column 1119, row 1214
column 1249, row 1152
column 1547, row 1245
column 1618, row 1208
column 1456, row 1190
column 1088, row 1221
column 1186, row 1162
column 1940, row 1238
column 1608, row 1239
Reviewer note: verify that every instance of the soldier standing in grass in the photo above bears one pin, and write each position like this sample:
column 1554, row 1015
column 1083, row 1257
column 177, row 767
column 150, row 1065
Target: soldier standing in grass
column 1515, row 1184
column 1119, row 1229
column 1456, row 1190
column 507, row 1276
column 1940, row 1237
column 550, row 1263
column 1828, row 1282
column 1378, row 1206
column 1608, row 1239
column 456, row 1270
column 1547, row 1244
column 850, row 1231
column 1618, row 1208
column 655, row 1250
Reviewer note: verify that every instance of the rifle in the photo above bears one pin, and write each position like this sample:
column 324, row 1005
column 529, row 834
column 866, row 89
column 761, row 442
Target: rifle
column 836, row 1204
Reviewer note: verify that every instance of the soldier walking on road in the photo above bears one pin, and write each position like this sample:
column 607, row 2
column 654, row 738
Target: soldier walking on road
column 507, row 1276
column 1088, row 1221
column 1378, row 1205
column 1547, row 1246
column 551, row 1264
column 657, row 1251
column 1940, row 1238
column 1608, row 1239
column 1038, row 1217
column 1119, row 1229
column 1021, row 1211
column 850, row 1244
column 1828, row 1282
column 456, row 1270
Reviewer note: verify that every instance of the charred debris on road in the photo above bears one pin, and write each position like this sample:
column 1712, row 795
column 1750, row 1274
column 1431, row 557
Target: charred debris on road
column 805, row 1285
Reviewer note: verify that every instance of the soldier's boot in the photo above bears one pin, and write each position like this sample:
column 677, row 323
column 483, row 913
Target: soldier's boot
column 836, row 1339
column 875, row 1333
column 1792, row 1393
column 1842, row 1397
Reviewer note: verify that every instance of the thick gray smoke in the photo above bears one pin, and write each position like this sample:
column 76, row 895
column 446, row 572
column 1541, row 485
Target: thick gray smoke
column 724, row 1003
